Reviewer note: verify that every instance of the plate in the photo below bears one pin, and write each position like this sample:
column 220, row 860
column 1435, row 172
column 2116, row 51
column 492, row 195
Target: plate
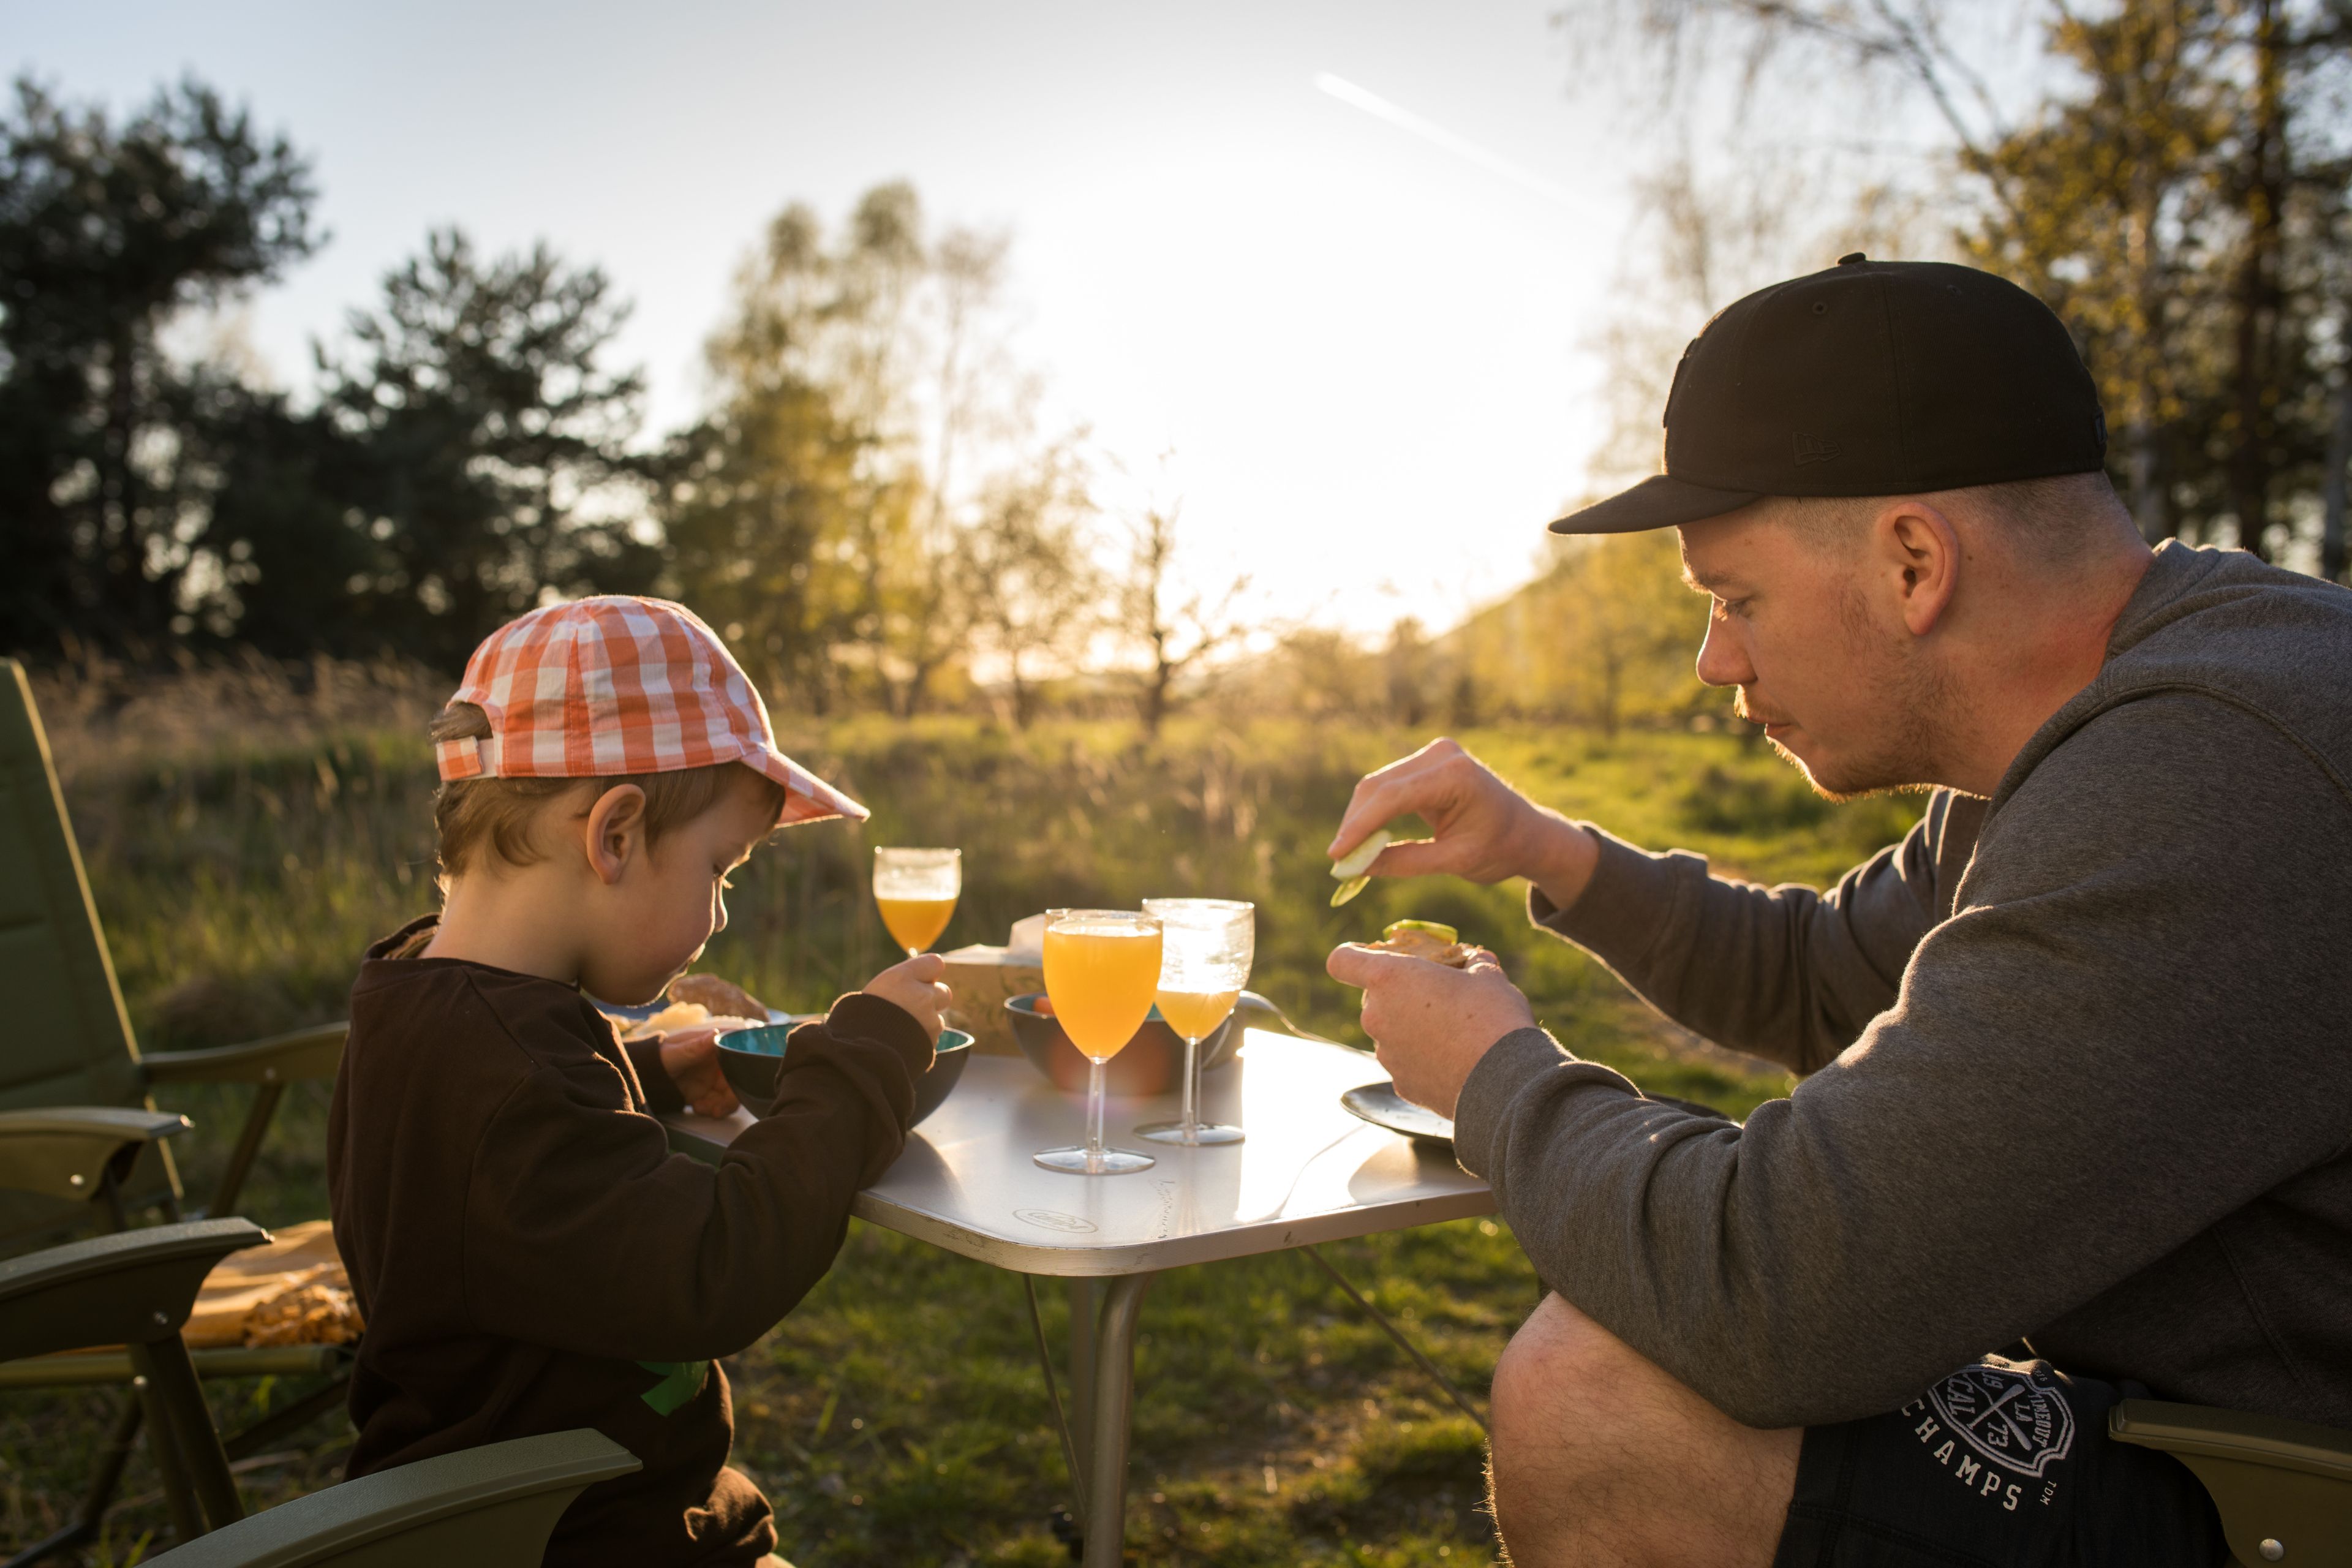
column 629, row 1016
column 1382, row 1106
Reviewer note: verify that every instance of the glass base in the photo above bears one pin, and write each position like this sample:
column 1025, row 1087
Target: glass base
column 1113, row 1162
column 1174, row 1133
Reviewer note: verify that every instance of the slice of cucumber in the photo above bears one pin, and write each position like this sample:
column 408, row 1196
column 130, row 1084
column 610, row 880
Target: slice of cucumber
column 1442, row 932
column 1349, row 889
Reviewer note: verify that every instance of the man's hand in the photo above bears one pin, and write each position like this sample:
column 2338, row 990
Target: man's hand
column 915, row 985
column 1485, row 829
column 690, row 1057
column 1431, row 1024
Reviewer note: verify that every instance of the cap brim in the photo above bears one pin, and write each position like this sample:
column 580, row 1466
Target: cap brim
column 1660, row 501
column 807, row 798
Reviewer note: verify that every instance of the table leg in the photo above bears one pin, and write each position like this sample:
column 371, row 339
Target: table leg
column 1086, row 1297
column 1114, row 1409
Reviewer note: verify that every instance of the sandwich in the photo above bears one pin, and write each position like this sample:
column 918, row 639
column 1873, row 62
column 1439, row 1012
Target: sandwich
column 1425, row 939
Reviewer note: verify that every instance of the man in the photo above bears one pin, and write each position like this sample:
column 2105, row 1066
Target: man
column 2076, row 1104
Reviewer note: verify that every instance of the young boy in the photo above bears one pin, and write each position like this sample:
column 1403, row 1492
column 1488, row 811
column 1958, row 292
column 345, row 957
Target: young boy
column 529, row 1255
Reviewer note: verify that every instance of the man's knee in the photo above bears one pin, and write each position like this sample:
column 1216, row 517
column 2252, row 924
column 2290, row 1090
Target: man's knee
column 1558, row 1358
column 1655, row 1472
column 1551, row 1409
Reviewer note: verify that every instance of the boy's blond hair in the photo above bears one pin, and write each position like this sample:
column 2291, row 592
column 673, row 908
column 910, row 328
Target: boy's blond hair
column 498, row 813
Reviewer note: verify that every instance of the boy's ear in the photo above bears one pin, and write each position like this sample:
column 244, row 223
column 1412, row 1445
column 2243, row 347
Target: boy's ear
column 614, row 831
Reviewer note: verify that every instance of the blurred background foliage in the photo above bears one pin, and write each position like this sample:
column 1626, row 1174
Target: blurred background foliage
column 868, row 507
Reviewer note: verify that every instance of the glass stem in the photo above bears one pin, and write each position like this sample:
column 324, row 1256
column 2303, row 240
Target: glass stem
column 1192, row 1089
column 1093, row 1116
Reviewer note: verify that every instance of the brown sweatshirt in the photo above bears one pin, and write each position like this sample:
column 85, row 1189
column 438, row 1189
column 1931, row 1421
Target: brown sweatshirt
column 531, row 1257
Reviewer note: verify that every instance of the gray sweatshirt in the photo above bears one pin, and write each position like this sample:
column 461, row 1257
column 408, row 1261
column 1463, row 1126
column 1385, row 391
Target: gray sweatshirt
column 2079, row 1058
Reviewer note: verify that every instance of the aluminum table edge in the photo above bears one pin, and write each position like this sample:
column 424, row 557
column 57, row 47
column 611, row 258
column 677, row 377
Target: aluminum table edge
column 1175, row 1251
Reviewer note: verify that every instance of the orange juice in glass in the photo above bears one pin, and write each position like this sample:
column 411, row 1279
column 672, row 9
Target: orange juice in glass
column 1206, row 947
column 1195, row 1015
column 1102, row 971
column 916, row 891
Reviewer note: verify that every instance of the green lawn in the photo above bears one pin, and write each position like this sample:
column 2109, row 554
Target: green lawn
column 898, row 1415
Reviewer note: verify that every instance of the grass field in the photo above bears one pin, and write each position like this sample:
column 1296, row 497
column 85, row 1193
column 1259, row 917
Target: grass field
column 243, row 852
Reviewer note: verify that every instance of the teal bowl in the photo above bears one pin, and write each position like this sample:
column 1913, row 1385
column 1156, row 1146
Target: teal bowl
column 752, row 1058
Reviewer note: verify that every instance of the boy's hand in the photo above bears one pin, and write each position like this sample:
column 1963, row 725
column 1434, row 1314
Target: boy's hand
column 690, row 1057
column 915, row 985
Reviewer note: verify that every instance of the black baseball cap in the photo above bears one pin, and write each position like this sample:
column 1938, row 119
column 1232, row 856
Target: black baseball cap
column 1872, row 378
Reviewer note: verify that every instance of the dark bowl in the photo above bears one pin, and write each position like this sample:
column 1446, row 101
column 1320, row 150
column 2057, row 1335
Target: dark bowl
column 1150, row 1063
column 752, row 1058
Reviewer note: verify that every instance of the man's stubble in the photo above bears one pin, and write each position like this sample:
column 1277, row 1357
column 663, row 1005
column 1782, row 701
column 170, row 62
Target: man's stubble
column 1918, row 711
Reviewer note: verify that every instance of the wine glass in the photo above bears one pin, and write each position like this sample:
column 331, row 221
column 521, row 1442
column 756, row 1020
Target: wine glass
column 1102, row 969
column 917, row 891
column 1206, row 945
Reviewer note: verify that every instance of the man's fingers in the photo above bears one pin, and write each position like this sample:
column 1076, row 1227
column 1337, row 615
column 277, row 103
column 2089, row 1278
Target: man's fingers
column 1388, row 793
column 923, row 966
column 1414, row 858
column 1352, row 963
column 1483, row 962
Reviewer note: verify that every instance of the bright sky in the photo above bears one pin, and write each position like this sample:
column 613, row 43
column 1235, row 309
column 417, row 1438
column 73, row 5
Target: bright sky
column 1354, row 313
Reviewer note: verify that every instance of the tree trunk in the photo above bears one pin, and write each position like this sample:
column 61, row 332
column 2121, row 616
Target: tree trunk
column 2148, row 491
column 1155, row 697
column 2146, row 483
column 2250, row 464
column 1021, row 695
column 2332, row 488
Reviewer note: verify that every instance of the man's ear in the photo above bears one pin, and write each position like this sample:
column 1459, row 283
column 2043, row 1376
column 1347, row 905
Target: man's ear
column 616, row 831
column 1917, row 550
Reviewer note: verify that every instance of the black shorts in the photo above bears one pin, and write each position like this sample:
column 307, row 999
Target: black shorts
column 2004, row 1464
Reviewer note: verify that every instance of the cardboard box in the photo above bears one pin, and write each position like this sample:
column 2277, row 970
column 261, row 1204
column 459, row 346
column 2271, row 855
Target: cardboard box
column 982, row 978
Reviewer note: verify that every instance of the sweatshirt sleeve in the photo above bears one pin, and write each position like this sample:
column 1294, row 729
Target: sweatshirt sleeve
column 653, row 1078
column 1787, row 974
column 582, row 1231
column 2125, row 1035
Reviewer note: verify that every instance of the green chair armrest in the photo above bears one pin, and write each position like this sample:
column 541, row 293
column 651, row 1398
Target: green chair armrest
column 492, row 1506
column 270, row 1066
column 282, row 1058
column 85, row 1369
column 2281, row 1485
column 66, row 1152
column 134, row 1286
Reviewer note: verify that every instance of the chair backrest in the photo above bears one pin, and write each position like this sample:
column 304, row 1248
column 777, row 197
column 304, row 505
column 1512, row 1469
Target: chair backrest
column 492, row 1506
column 69, row 1039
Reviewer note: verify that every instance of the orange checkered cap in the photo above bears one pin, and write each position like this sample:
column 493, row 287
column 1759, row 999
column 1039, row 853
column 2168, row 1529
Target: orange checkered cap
column 618, row 685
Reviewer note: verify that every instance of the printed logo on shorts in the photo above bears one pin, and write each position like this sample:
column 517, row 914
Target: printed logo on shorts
column 2017, row 1424
column 2004, row 1414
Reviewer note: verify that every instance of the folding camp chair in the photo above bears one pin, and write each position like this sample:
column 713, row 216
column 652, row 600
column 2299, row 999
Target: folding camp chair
column 81, row 1142
column 68, row 1042
column 492, row 1506
column 82, row 1154
column 134, row 1289
column 2283, row 1487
